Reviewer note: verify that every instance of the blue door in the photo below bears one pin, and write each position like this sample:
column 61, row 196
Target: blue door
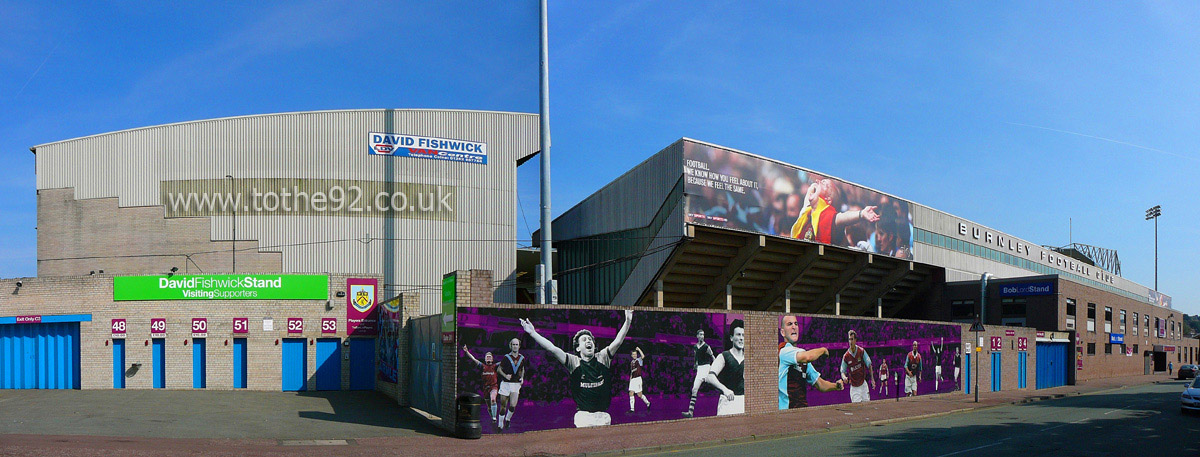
column 996, row 373
column 1051, row 365
column 159, row 360
column 967, row 372
column 239, row 363
column 118, row 364
column 1021, row 369
column 39, row 356
column 362, row 364
column 199, row 363
column 295, row 365
column 329, row 364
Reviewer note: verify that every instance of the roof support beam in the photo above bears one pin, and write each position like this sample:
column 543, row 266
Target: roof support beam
column 921, row 290
column 842, row 281
column 788, row 278
column 649, row 297
column 885, row 285
column 732, row 271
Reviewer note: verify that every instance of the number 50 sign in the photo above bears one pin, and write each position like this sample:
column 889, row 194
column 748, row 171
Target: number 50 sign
column 200, row 327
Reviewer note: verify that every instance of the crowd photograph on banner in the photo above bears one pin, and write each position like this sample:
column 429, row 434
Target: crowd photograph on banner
column 545, row 369
column 736, row 190
column 824, row 361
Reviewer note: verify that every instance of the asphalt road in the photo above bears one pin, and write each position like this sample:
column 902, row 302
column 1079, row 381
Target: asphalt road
column 1142, row 420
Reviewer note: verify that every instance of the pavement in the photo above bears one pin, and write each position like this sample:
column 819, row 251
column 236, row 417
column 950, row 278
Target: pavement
column 365, row 423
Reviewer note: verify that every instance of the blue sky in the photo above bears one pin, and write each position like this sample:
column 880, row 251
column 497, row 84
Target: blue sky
column 1020, row 117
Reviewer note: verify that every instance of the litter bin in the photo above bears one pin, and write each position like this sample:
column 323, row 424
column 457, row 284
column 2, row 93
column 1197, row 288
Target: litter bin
column 466, row 424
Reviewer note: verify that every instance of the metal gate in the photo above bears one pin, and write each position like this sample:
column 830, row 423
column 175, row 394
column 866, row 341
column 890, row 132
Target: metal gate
column 996, row 372
column 425, row 361
column 329, row 364
column 40, row 355
column 1022, row 369
column 1052, row 365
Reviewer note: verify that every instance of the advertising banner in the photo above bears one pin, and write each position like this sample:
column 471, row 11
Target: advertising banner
column 449, row 306
column 735, row 190
column 362, row 316
column 577, row 368
column 1116, row 338
column 825, row 361
column 221, row 287
column 387, row 367
column 1160, row 299
column 392, row 144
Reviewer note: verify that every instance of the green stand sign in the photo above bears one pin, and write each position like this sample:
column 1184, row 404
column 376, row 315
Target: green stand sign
column 449, row 307
column 221, row 287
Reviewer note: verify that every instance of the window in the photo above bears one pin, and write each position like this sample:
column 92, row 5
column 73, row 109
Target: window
column 1012, row 307
column 1135, row 349
column 1070, row 314
column 962, row 309
column 1135, row 324
column 1108, row 348
column 1107, row 319
column 1091, row 348
column 1122, row 321
column 1091, row 324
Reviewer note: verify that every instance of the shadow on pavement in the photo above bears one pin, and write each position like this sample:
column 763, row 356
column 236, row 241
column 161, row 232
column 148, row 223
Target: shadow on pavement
column 368, row 408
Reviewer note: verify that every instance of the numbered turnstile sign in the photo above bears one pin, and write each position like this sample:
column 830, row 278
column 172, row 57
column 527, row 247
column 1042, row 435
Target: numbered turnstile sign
column 200, row 327
column 295, row 325
column 328, row 325
column 1022, row 344
column 241, row 325
column 997, row 343
column 158, row 328
column 118, row 328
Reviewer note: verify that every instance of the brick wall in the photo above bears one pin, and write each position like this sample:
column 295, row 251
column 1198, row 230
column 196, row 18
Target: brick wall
column 1009, row 357
column 93, row 295
column 1103, row 365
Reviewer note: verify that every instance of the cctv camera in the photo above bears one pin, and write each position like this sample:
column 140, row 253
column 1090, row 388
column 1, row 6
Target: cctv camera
column 19, row 284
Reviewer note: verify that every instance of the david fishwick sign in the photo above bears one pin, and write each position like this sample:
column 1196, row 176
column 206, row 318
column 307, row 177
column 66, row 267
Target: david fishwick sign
column 221, row 287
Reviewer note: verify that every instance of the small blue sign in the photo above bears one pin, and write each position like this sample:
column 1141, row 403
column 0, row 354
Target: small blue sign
column 1116, row 338
column 1027, row 288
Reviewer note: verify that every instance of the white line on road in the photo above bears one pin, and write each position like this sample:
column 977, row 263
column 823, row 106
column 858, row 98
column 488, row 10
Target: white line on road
column 1066, row 424
column 1115, row 410
column 974, row 448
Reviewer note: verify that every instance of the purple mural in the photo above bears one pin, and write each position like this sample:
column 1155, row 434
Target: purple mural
column 540, row 369
column 825, row 361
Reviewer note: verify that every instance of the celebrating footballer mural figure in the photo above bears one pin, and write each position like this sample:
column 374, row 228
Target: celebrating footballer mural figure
column 796, row 364
column 590, row 371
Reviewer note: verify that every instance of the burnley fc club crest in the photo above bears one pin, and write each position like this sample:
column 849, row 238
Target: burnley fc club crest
column 362, row 296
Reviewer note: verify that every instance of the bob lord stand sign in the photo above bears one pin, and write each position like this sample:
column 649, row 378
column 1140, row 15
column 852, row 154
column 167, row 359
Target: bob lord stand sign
column 221, row 287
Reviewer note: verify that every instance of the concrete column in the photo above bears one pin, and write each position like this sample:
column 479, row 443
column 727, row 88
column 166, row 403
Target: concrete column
column 787, row 301
column 658, row 293
column 729, row 296
column 879, row 308
column 837, row 304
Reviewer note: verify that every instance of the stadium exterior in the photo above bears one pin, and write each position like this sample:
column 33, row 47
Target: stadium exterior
column 702, row 226
column 261, row 252
column 251, row 252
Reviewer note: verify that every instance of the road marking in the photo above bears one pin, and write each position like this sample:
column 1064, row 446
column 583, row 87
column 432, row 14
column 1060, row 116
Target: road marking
column 313, row 442
column 1115, row 410
column 974, row 448
column 1066, row 424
